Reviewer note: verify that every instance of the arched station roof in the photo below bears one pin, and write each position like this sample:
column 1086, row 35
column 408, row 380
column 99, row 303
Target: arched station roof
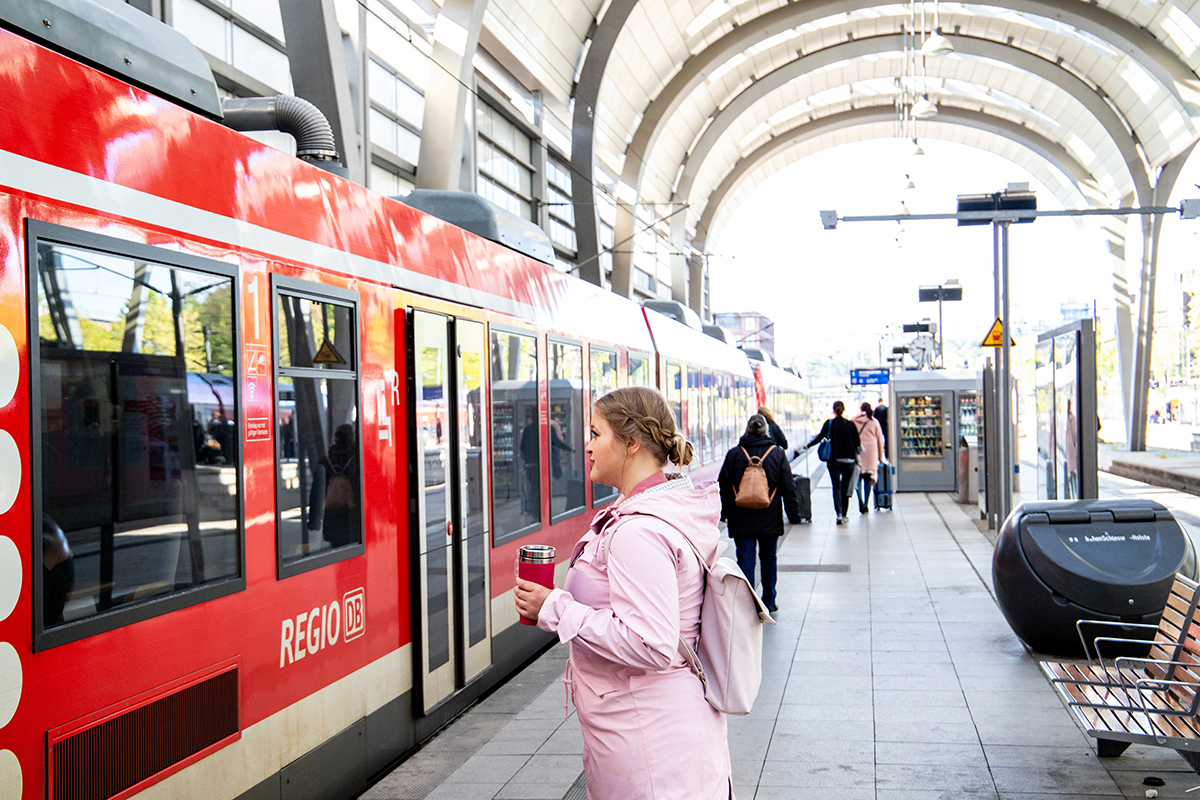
column 698, row 101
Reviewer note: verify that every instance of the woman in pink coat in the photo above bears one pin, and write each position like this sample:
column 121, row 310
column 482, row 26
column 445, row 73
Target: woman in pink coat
column 871, row 435
column 633, row 589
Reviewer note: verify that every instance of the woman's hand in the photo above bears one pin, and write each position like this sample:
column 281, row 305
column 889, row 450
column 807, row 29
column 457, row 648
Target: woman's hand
column 529, row 598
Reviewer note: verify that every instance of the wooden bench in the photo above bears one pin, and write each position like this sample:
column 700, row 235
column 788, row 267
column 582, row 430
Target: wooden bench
column 1151, row 700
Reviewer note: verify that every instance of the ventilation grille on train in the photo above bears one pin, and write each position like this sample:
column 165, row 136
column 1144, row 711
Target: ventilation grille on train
column 118, row 755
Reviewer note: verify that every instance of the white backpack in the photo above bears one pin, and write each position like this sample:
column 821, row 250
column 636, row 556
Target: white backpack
column 728, row 653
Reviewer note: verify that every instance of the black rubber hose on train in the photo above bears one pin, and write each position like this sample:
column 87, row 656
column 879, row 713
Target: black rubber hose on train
column 291, row 115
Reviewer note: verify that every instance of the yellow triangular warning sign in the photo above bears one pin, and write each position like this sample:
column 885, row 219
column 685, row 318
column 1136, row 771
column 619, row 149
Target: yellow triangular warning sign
column 327, row 355
column 995, row 337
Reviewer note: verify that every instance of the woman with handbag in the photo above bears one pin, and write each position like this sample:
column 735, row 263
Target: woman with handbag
column 871, row 434
column 648, row 732
column 844, row 447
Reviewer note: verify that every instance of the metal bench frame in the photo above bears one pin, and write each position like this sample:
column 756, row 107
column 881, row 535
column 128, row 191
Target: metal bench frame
column 1135, row 688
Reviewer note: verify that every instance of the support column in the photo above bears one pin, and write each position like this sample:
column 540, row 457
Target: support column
column 447, row 159
column 1151, row 231
column 681, row 276
column 1114, row 232
column 317, row 59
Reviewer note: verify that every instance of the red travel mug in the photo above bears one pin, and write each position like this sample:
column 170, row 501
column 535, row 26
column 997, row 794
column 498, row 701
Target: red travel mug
column 535, row 563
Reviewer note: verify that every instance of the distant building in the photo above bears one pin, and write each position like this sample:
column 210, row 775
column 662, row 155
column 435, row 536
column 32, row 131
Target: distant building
column 1073, row 312
column 750, row 329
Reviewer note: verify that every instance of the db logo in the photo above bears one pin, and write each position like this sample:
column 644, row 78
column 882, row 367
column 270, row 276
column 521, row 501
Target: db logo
column 354, row 611
column 319, row 628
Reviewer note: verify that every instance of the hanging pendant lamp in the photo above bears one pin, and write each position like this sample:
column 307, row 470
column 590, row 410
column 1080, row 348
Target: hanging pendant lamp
column 937, row 45
column 924, row 108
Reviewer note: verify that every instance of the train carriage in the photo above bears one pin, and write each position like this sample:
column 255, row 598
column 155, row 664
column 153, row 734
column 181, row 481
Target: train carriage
column 269, row 444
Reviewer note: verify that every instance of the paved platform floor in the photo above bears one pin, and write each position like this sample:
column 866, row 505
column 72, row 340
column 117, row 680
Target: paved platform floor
column 891, row 675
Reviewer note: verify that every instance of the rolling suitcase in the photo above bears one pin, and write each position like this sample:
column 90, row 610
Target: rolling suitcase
column 883, row 487
column 804, row 497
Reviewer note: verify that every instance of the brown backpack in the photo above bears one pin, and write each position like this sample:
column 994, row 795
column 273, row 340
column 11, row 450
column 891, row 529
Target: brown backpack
column 753, row 490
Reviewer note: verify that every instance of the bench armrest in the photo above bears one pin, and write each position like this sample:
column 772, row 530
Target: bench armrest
column 1117, row 640
column 1103, row 623
column 1157, row 684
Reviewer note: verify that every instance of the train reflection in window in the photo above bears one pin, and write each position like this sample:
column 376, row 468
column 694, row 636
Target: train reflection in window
column 604, row 380
column 319, row 479
column 516, row 446
column 139, row 431
column 639, row 370
column 566, row 429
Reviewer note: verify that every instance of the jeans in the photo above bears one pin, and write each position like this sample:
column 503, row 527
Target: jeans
column 865, row 485
column 839, row 474
column 766, row 550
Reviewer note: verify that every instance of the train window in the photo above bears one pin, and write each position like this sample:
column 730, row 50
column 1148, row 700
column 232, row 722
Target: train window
column 137, row 479
column 695, row 413
column 318, row 455
column 711, row 415
column 675, row 392
column 604, row 380
column 727, row 420
column 516, row 443
column 566, row 429
column 639, row 370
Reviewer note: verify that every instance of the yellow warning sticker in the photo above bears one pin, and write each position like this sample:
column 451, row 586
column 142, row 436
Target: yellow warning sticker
column 327, row 355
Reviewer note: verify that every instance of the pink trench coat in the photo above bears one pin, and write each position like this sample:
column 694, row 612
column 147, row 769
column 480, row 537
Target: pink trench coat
column 871, row 436
column 648, row 733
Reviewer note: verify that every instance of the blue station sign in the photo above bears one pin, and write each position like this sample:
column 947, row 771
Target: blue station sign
column 869, row 377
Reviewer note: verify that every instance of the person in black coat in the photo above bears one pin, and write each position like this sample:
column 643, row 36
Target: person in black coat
column 844, row 448
column 760, row 528
column 774, row 431
column 881, row 416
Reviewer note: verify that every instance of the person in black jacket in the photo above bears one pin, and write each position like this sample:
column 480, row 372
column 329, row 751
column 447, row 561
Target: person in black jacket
column 775, row 432
column 881, row 416
column 844, row 447
column 760, row 528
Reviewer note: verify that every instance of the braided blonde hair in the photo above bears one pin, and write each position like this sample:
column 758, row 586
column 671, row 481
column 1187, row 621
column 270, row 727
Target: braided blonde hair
column 642, row 414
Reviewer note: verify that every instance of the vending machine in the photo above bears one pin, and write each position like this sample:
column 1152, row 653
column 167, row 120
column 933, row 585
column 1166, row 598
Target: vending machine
column 931, row 411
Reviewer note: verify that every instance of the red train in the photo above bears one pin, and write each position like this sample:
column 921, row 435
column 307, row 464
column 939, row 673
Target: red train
column 269, row 443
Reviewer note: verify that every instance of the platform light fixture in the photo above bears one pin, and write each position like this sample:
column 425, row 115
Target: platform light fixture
column 949, row 291
column 924, row 108
column 937, row 45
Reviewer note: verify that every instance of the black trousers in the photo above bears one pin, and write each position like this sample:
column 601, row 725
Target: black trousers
column 840, row 473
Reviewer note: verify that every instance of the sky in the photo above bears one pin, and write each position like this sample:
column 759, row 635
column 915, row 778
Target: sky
column 846, row 292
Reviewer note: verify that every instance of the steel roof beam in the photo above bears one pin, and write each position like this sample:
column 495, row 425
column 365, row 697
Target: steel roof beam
column 586, row 95
column 1136, row 42
column 1050, row 151
column 1113, row 124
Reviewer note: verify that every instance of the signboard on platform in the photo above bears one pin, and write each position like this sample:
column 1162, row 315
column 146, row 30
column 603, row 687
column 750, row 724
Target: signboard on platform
column 869, row 377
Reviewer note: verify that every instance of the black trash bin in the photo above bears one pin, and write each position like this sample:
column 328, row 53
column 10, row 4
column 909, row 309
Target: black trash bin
column 1057, row 562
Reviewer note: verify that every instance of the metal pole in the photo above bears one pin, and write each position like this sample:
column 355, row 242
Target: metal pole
column 1005, row 383
column 941, row 336
column 994, row 461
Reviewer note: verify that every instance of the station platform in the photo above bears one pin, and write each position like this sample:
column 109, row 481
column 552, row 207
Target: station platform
column 1168, row 468
column 891, row 675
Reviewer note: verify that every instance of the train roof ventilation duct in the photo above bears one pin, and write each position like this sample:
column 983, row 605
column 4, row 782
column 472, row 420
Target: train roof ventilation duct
column 676, row 311
column 121, row 41
column 474, row 213
column 292, row 115
column 721, row 334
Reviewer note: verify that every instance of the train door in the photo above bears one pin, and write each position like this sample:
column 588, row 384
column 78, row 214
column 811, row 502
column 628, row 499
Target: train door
column 452, row 628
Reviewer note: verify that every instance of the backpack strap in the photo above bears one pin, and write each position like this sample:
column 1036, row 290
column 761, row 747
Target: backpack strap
column 684, row 649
